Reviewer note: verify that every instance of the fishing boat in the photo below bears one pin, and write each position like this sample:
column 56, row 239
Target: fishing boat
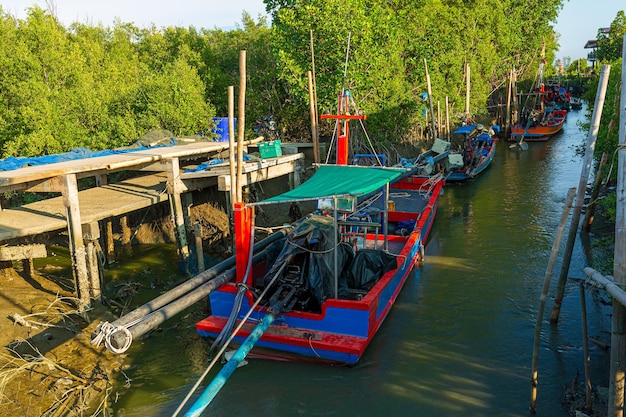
column 330, row 283
column 576, row 103
column 539, row 126
column 477, row 152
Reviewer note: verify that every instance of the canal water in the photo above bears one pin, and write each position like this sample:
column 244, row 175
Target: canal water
column 459, row 340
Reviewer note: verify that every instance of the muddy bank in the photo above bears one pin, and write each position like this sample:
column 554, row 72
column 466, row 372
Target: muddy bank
column 47, row 366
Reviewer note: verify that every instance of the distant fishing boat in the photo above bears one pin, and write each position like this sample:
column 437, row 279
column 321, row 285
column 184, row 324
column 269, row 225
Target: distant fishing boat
column 539, row 126
column 544, row 111
column 478, row 150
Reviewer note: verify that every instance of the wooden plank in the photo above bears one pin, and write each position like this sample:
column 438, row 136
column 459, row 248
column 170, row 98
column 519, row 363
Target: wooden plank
column 14, row 253
column 95, row 204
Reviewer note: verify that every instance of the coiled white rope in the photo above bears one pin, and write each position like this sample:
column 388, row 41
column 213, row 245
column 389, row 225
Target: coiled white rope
column 106, row 330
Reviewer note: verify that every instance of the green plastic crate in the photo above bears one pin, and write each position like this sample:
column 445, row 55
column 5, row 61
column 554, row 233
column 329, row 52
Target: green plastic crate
column 270, row 149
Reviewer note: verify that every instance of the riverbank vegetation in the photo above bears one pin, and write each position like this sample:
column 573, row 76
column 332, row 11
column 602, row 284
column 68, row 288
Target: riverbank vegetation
column 103, row 87
column 609, row 53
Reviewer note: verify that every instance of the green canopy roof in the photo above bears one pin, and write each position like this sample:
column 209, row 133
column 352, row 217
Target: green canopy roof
column 339, row 181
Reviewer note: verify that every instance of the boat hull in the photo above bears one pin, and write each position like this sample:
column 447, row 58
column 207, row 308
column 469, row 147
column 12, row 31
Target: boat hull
column 344, row 328
column 541, row 132
column 466, row 174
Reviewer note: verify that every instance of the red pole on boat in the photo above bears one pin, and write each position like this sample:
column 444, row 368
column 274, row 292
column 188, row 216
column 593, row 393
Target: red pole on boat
column 343, row 118
column 243, row 217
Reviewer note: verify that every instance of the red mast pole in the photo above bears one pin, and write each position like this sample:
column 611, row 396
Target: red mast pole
column 343, row 118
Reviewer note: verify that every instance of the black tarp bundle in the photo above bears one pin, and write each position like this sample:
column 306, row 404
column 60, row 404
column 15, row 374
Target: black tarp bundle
column 311, row 244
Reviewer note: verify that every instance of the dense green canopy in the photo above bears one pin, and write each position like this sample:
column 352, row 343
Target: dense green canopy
column 103, row 87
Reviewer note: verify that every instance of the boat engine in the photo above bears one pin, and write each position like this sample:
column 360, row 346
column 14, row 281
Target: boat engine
column 294, row 277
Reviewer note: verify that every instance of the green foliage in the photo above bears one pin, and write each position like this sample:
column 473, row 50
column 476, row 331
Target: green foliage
column 93, row 87
column 610, row 44
column 97, row 87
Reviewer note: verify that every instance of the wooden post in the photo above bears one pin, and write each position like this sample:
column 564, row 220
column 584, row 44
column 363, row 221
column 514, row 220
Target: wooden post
column 28, row 266
column 583, row 312
column 430, row 99
column 77, row 247
column 589, row 213
column 91, row 235
column 242, row 120
column 509, row 90
column 544, row 293
column 232, row 147
column 110, row 244
column 126, row 234
column 314, row 133
column 316, row 150
column 439, row 116
column 467, row 93
column 447, row 119
column 580, row 195
column 199, row 251
column 618, row 323
column 175, row 188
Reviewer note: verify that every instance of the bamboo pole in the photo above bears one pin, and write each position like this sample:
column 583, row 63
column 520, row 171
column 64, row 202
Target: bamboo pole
column 509, row 90
column 439, row 129
column 316, row 133
column 618, row 324
column 544, row 293
column 580, row 195
column 589, row 213
column 242, row 120
column 430, row 99
column 467, row 93
column 447, row 119
column 314, row 137
column 231, row 148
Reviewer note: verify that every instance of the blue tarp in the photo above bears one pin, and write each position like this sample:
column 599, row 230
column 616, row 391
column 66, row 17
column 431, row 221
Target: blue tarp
column 12, row 163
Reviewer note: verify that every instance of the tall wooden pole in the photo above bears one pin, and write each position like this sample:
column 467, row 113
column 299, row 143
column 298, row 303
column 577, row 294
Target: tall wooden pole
column 232, row 148
column 580, row 194
column 509, row 91
column 447, row 119
column 544, row 293
column 467, row 93
column 313, row 89
column 314, row 136
column 241, row 122
column 618, row 325
column 430, row 99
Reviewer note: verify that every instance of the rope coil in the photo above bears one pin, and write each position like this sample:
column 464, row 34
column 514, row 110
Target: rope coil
column 106, row 330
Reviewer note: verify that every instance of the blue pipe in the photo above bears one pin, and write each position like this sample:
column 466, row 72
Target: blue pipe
column 220, row 379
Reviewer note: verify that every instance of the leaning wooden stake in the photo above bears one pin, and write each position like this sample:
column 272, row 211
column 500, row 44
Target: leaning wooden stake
column 618, row 325
column 580, row 195
column 232, row 147
column 544, row 292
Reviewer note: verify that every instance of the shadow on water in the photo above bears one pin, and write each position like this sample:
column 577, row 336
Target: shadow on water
column 459, row 339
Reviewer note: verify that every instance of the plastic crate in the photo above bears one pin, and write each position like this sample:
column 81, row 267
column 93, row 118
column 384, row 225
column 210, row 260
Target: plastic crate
column 270, row 149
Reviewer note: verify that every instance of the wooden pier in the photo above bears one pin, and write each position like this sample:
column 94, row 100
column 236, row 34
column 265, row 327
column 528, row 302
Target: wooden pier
column 83, row 213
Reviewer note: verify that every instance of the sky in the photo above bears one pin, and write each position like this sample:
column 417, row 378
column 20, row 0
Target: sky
column 578, row 21
column 209, row 14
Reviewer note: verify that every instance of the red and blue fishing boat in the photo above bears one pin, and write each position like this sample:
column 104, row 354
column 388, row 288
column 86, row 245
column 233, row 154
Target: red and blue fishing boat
column 324, row 290
column 478, row 150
